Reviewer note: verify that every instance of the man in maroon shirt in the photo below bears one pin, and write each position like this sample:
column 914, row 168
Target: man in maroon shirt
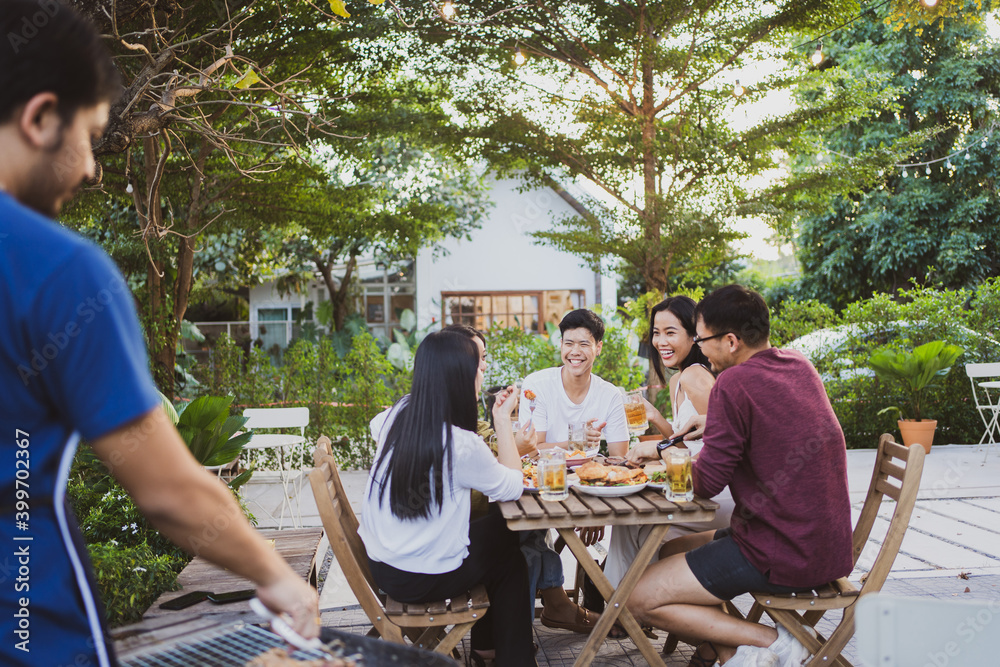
column 772, row 437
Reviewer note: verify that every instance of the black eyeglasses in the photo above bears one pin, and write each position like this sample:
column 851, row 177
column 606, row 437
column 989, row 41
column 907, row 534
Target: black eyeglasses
column 697, row 340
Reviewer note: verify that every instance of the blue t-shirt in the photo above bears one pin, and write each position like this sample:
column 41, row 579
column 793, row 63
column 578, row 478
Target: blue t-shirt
column 72, row 362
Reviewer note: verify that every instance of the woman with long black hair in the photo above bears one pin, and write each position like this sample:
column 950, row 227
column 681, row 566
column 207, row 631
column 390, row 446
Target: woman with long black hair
column 415, row 513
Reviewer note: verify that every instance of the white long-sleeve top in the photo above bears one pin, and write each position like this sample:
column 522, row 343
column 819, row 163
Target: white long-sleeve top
column 439, row 543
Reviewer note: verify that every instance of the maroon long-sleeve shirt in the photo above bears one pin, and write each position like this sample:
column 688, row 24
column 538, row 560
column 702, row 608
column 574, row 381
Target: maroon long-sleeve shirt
column 772, row 437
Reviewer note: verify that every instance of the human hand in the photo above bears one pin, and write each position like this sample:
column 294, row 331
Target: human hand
column 526, row 440
column 594, row 433
column 644, row 452
column 295, row 598
column 591, row 536
column 506, row 402
column 652, row 414
column 697, row 427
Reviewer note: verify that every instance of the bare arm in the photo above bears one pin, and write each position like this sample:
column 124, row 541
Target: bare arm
column 197, row 512
column 507, row 452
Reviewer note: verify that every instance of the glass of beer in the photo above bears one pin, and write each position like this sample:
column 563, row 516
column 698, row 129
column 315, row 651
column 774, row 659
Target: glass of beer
column 578, row 435
column 681, row 485
column 552, row 474
column 635, row 412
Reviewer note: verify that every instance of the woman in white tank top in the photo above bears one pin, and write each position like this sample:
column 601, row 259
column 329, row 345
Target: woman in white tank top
column 671, row 335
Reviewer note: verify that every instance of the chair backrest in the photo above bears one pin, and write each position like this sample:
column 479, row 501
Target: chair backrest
column 341, row 526
column 897, row 475
column 983, row 370
column 258, row 418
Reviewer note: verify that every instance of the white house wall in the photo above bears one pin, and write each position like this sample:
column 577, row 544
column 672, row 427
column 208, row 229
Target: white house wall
column 503, row 256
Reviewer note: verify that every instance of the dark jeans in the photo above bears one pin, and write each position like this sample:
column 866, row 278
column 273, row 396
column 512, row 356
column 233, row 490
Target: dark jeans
column 495, row 561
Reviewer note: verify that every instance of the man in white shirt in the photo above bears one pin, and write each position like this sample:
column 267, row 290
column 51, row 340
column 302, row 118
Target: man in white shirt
column 570, row 393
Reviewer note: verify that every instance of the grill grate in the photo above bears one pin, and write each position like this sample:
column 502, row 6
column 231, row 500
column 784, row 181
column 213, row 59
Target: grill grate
column 227, row 647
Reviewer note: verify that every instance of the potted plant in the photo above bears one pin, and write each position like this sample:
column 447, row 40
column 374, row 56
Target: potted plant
column 915, row 371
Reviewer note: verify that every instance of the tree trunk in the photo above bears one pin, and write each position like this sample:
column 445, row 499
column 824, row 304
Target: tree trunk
column 338, row 295
column 652, row 269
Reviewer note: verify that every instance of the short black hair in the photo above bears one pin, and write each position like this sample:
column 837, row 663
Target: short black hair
column 466, row 330
column 46, row 46
column 739, row 310
column 583, row 318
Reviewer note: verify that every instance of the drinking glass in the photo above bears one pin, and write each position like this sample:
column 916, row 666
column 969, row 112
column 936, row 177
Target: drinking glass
column 578, row 436
column 635, row 412
column 680, row 484
column 552, row 474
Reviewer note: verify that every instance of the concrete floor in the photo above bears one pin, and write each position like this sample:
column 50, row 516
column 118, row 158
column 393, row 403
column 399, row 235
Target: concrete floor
column 953, row 544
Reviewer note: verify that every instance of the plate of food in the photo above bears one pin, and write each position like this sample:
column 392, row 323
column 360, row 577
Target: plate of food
column 529, row 472
column 578, row 457
column 600, row 479
column 656, row 473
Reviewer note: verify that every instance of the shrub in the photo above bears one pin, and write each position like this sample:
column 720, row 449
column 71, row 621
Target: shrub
column 514, row 354
column 797, row 318
column 130, row 578
column 914, row 317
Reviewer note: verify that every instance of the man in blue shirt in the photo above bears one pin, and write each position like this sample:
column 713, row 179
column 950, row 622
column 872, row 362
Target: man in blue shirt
column 73, row 364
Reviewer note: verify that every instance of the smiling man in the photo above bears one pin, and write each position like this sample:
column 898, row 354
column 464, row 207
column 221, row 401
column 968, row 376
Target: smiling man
column 772, row 437
column 570, row 393
column 74, row 365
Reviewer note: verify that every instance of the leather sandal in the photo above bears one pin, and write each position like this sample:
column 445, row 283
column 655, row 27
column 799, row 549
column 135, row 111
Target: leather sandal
column 698, row 659
column 583, row 623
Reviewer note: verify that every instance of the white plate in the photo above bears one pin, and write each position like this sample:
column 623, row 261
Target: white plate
column 610, row 491
column 590, row 454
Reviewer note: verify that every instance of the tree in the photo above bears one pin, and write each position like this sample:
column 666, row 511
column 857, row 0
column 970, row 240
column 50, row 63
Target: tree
column 633, row 98
column 399, row 198
column 933, row 223
column 216, row 133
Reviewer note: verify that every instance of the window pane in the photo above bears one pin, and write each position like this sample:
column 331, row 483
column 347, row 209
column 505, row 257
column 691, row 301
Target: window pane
column 401, row 302
column 375, row 309
column 272, row 314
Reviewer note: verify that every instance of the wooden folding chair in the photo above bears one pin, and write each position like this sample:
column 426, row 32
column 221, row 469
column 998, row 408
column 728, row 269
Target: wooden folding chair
column 424, row 624
column 900, row 481
column 841, row 594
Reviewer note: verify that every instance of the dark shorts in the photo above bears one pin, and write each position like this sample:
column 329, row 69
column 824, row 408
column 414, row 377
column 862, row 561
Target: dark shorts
column 723, row 570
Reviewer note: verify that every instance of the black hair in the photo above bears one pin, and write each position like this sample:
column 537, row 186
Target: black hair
column 48, row 47
column 683, row 308
column 467, row 331
column 583, row 318
column 739, row 310
column 419, row 444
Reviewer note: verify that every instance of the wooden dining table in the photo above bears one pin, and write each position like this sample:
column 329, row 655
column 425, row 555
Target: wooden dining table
column 581, row 510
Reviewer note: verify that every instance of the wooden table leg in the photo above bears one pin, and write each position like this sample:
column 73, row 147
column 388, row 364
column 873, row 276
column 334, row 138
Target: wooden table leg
column 616, row 598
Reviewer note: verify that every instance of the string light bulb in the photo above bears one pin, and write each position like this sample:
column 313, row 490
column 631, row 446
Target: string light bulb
column 905, row 173
column 928, row 170
column 817, row 56
column 447, row 9
column 984, row 142
column 738, row 90
column 519, row 57
column 947, row 164
column 968, row 155
column 929, row 4
column 129, row 189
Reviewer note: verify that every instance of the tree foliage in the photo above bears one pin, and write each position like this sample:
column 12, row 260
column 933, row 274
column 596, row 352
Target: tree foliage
column 632, row 98
column 935, row 223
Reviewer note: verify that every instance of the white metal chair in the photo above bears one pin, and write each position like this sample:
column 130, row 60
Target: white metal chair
column 985, row 381
column 280, row 418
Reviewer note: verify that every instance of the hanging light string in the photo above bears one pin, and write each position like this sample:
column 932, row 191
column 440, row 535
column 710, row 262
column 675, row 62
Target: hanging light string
column 983, row 140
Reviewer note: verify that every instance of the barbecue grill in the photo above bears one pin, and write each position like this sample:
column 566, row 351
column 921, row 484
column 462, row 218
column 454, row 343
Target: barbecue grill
column 235, row 644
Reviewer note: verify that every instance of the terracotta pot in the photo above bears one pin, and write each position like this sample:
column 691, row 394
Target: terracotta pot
column 918, row 431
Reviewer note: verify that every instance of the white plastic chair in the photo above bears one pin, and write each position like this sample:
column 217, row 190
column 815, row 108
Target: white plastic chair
column 985, row 380
column 280, row 418
column 910, row 632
